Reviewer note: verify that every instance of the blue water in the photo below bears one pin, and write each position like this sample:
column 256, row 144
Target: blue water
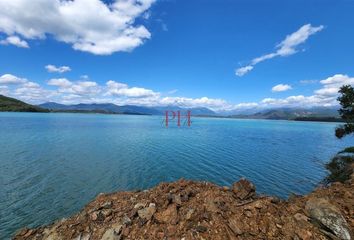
column 52, row 164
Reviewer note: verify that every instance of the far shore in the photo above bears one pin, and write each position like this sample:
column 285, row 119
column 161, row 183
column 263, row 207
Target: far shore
column 300, row 119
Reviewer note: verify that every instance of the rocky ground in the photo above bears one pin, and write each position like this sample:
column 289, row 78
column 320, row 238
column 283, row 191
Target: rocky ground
column 201, row 210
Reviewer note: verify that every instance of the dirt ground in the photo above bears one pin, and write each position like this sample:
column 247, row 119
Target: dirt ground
column 200, row 210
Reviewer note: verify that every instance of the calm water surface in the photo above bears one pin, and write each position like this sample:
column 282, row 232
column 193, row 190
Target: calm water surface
column 51, row 165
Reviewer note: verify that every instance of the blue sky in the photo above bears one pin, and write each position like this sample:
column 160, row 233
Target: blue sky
column 184, row 53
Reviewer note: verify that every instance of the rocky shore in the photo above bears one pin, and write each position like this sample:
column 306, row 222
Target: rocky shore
column 200, row 210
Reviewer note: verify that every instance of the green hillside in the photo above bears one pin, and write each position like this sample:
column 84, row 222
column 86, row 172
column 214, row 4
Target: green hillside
column 8, row 104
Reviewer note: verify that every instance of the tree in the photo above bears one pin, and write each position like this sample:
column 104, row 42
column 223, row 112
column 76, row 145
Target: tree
column 346, row 100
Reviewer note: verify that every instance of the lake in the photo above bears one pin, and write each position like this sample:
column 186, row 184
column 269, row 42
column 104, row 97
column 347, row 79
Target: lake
column 52, row 164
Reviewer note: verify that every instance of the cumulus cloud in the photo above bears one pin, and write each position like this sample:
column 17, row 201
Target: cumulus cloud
column 11, row 79
column 60, row 82
column 14, row 40
column 281, row 88
column 325, row 96
column 121, row 89
column 87, row 88
column 87, row 25
column 286, row 48
column 211, row 103
column 332, row 84
column 54, row 69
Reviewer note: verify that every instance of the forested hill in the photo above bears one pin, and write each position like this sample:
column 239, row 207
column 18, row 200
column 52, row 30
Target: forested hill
column 8, row 104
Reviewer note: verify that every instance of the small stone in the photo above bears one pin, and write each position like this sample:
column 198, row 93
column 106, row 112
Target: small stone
column 201, row 228
column 300, row 217
column 171, row 230
column 85, row 236
column 177, row 199
column 248, row 213
column 106, row 212
column 94, row 216
column 243, row 189
column 148, row 212
column 275, row 200
column 117, row 227
column 225, row 188
column 235, row 226
column 160, row 235
column 189, row 214
column 304, row 234
column 28, row 233
column 110, row 235
column 211, row 206
column 106, row 205
column 126, row 220
column 126, row 232
column 184, row 197
column 168, row 216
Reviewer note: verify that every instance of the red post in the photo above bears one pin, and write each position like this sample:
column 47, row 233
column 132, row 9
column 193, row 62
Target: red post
column 189, row 118
column 166, row 119
column 179, row 119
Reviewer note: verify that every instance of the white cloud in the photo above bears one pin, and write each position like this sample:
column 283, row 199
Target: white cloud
column 337, row 80
column 286, row 48
column 60, row 82
column 33, row 93
column 243, row 70
column 325, row 96
column 306, row 82
column 14, row 40
column 121, row 89
column 88, row 25
column 87, row 88
column 215, row 104
column 173, row 91
column 281, row 88
column 11, row 79
column 51, row 68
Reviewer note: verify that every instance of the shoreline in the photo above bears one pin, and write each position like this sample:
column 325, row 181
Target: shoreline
column 201, row 210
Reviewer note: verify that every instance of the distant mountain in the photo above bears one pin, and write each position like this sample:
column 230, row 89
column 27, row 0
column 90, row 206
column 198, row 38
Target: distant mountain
column 292, row 114
column 102, row 107
column 125, row 109
column 8, row 104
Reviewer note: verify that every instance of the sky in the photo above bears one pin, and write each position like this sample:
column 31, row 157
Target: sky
column 222, row 54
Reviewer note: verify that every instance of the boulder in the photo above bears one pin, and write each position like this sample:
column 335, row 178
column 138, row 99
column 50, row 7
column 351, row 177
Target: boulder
column 243, row 189
column 328, row 217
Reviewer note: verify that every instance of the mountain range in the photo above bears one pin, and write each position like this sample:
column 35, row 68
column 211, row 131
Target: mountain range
column 125, row 109
column 275, row 114
column 303, row 114
column 292, row 113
